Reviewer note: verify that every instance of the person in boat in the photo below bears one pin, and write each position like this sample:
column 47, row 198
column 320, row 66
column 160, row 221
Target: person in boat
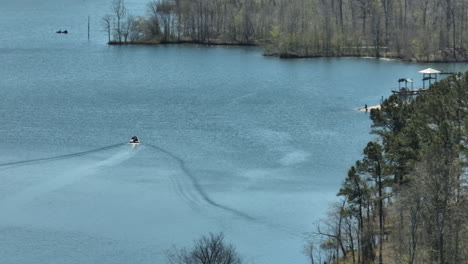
column 135, row 139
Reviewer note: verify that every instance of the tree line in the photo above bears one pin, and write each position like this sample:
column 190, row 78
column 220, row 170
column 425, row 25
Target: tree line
column 422, row 30
column 406, row 201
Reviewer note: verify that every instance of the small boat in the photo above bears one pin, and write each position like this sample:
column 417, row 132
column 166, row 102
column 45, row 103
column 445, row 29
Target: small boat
column 134, row 140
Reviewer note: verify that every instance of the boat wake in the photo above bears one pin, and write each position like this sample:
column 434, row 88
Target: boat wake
column 289, row 232
column 61, row 157
column 13, row 203
column 196, row 184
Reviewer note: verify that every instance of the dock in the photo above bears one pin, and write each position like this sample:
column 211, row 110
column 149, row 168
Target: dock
column 404, row 91
column 407, row 91
column 428, row 75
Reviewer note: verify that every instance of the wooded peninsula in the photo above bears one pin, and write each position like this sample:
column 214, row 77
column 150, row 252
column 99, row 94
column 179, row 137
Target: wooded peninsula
column 413, row 30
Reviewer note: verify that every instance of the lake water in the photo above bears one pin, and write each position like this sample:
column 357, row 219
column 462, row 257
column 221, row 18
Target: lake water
column 233, row 142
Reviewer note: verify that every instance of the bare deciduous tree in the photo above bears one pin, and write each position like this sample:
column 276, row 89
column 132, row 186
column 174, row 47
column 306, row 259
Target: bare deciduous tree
column 107, row 25
column 209, row 249
column 120, row 11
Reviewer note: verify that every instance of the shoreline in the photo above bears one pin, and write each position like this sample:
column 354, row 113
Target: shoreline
column 285, row 55
column 369, row 108
column 178, row 42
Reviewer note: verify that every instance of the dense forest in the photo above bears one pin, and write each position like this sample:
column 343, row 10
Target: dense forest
column 406, row 201
column 419, row 30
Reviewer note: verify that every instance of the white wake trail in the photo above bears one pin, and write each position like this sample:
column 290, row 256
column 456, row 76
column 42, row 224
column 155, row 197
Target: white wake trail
column 15, row 201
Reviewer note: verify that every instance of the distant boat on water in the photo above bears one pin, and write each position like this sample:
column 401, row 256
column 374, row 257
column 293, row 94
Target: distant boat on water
column 62, row 31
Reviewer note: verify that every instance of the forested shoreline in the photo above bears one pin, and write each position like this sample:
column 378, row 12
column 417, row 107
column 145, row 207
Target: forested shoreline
column 406, row 200
column 415, row 30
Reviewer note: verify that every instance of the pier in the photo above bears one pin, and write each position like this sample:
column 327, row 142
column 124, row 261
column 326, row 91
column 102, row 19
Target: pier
column 429, row 74
column 408, row 91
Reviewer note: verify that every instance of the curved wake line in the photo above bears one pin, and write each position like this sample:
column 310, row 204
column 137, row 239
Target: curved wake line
column 72, row 155
column 66, row 177
column 197, row 186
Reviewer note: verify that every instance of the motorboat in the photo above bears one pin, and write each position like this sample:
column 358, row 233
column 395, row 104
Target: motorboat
column 134, row 140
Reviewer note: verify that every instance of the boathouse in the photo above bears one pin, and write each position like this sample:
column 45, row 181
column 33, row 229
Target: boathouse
column 429, row 74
